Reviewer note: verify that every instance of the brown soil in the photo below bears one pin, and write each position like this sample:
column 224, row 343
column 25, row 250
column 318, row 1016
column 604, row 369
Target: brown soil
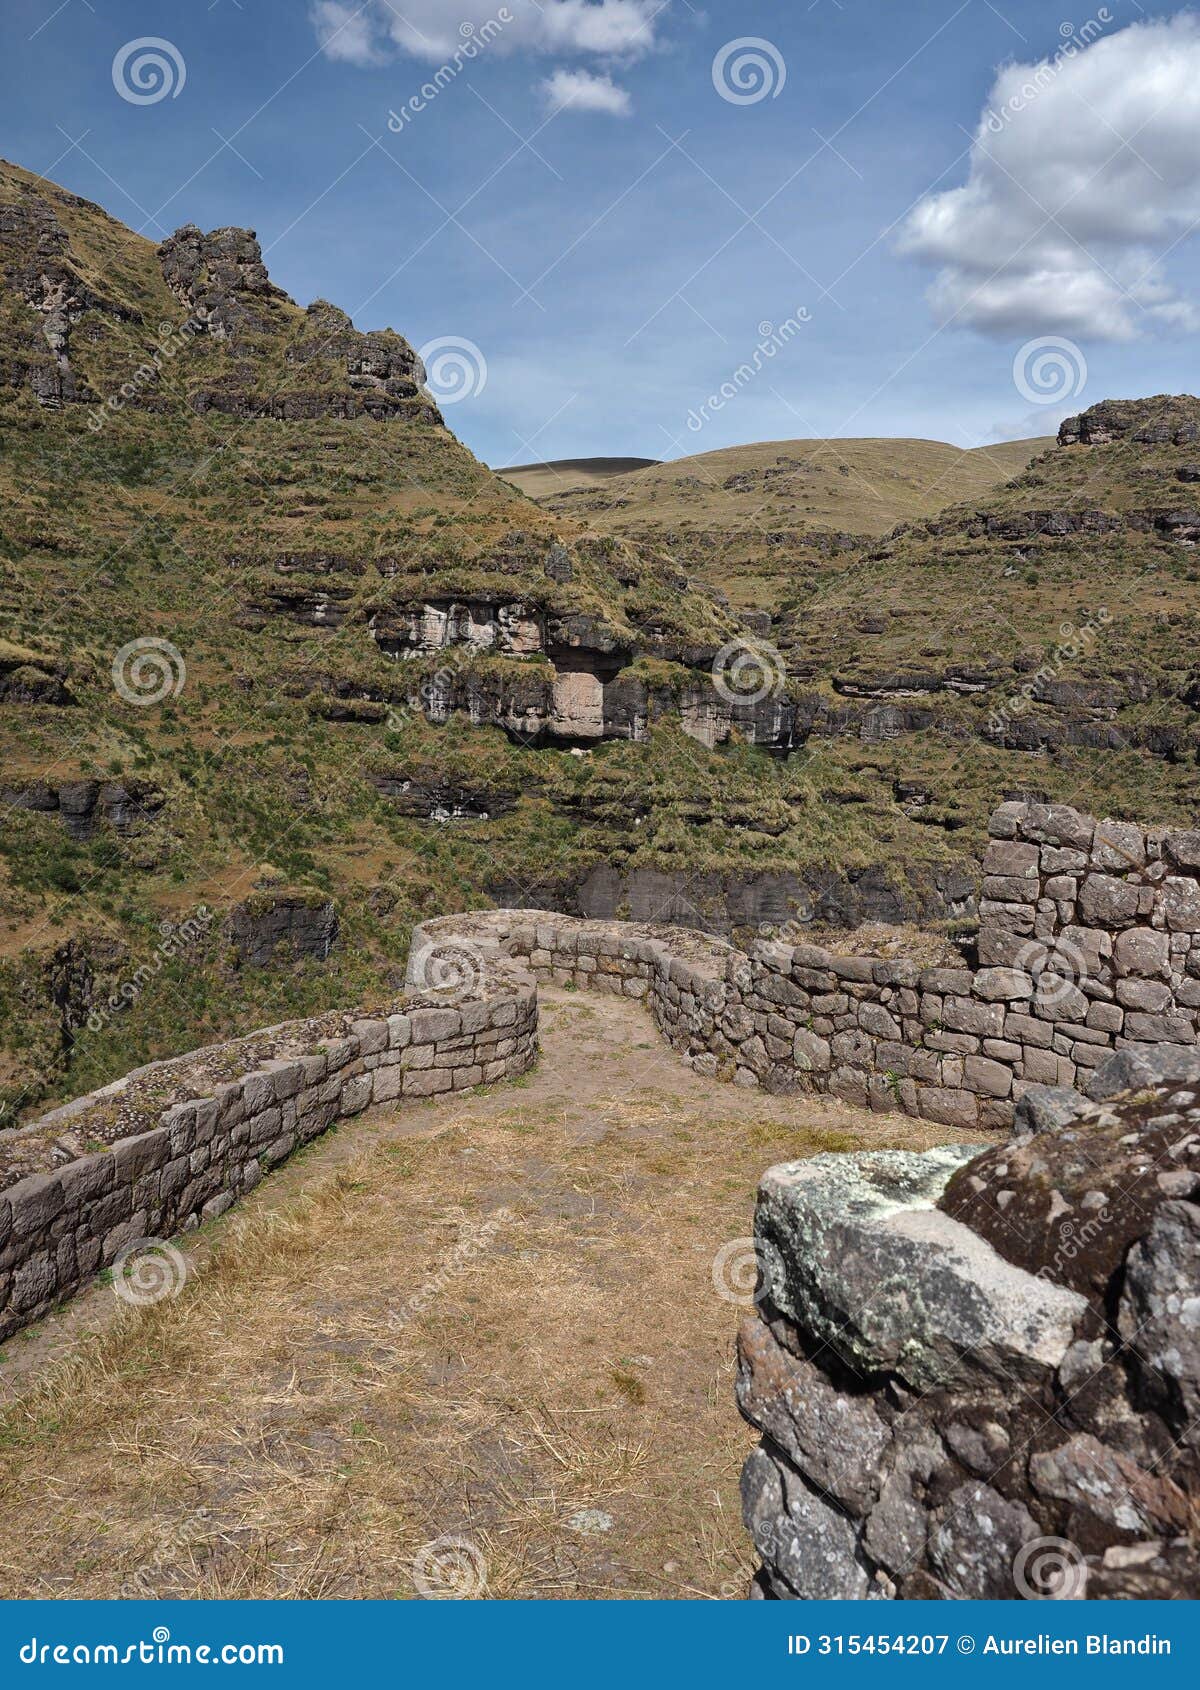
column 292, row 1424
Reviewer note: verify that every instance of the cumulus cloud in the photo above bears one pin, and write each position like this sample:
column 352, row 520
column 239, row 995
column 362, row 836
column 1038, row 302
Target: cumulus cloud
column 345, row 32
column 579, row 90
column 1082, row 179
column 372, row 31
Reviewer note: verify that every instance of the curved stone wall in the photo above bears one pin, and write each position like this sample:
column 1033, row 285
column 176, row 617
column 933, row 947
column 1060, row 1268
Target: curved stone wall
column 1089, row 943
column 176, row 1143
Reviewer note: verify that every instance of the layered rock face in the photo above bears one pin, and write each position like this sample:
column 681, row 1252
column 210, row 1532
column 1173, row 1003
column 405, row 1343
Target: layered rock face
column 979, row 1375
column 305, row 922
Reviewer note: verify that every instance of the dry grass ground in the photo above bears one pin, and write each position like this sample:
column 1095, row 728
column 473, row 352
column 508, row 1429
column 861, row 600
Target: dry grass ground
column 560, row 1394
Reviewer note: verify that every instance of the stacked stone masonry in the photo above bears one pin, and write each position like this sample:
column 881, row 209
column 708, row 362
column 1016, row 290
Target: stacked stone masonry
column 1089, row 942
column 977, row 1373
column 184, row 1139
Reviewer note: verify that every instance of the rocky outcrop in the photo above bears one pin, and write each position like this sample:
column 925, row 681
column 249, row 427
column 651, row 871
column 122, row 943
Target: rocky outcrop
column 1162, row 421
column 304, row 922
column 977, row 1375
column 83, row 806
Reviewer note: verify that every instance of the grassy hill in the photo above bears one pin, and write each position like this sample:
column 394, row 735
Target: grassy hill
column 746, row 517
column 567, row 475
column 270, row 631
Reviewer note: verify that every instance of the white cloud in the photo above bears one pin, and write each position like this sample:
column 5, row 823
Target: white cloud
column 579, row 90
column 345, row 32
column 433, row 29
column 1082, row 179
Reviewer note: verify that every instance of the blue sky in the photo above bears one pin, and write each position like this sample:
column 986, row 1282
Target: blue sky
column 616, row 259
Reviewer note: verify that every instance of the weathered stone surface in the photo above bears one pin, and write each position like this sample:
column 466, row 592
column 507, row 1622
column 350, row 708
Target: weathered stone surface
column 853, row 1250
column 975, row 1540
column 836, row 1441
column 1159, row 1315
column 810, row 1545
column 1086, row 1474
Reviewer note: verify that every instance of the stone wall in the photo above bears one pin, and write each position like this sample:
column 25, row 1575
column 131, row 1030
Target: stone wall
column 1089, row 942
column 978, row 1375
column 176, row 1143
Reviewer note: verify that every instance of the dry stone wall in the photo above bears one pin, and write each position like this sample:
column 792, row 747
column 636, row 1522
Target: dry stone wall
column 176, row 1143
column 1089, row 943
column 977, row 1374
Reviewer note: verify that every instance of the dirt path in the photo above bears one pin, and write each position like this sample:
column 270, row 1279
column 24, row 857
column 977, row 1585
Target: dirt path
column 504, row 1319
